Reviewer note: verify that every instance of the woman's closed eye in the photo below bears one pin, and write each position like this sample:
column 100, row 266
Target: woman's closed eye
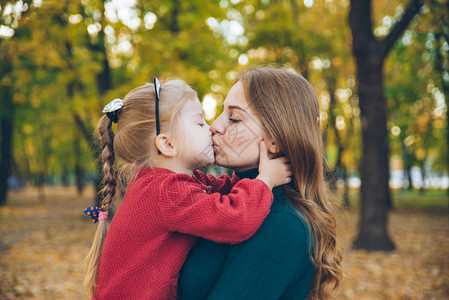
column 234, row 120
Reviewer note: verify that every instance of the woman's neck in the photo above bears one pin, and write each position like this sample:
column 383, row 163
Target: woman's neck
column 243, row 169
column 250, row 173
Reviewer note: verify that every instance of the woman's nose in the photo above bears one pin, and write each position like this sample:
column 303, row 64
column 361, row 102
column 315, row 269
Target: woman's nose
column 218, row 126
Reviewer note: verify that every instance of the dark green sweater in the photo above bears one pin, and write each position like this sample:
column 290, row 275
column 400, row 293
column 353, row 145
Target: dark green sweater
column 273, row 264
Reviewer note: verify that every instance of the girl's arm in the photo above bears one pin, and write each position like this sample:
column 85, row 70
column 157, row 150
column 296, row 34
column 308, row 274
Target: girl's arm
column 222, row 184
column 185, row 207
column 232, row 218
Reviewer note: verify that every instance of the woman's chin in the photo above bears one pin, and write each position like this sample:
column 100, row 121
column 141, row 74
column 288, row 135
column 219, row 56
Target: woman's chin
column 219, row 161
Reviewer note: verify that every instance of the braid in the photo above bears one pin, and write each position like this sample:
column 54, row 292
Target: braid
column 93, row 257
column 108, row 158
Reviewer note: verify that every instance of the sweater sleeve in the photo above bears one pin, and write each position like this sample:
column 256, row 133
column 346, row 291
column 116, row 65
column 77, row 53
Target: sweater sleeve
column 222, row 184
column 185, row 207
column 266, row 265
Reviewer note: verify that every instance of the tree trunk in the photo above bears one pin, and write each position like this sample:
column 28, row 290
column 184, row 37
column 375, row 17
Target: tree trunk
column 104, row 84
column 406, row 168
column 331, row 86
column 41, row 188
column 26, row 172
column 375, row 191
column 369, row 54
column 79, row 172
column 6, row 123
column 346, row 202
column 441, row 68
column 6, row 149
column 422, row 190
column 409, row 177
column 103, row 80
column 174, row 22
column 65, row 176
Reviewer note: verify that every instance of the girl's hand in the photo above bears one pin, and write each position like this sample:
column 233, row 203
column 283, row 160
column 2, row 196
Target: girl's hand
column 274, row 172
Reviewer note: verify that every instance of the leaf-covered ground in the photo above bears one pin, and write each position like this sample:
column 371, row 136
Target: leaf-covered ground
column 43, row 244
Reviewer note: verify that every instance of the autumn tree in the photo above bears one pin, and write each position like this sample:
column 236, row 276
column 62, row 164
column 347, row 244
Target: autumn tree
column 10, row 15
column 370, row 53
column 415, row 104
column 440, row 32
column 76, row 56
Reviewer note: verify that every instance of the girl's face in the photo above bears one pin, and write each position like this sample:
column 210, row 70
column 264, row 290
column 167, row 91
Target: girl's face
column 196, row 144
column 236, row 133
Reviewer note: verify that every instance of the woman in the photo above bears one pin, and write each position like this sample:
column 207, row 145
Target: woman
column 294, row 254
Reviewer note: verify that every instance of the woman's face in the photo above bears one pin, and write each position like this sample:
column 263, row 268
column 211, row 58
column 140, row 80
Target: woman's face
column 236, row 133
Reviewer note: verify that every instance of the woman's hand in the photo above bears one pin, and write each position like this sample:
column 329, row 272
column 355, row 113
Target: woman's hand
column 274, row 172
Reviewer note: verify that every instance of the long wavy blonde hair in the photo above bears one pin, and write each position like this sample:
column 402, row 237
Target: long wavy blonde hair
column 133, row 143
column 289, row 111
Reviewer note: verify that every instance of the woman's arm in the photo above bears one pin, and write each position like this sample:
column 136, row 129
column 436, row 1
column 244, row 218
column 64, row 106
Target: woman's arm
column 265, row 266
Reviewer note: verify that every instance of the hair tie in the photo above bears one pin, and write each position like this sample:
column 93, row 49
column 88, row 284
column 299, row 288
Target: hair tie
column 112, row 108
column 96, row 214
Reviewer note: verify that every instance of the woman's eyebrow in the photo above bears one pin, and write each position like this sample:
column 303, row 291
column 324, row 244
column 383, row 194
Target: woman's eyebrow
column 235, row 107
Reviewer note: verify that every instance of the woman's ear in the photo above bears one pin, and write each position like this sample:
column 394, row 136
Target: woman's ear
column 163, row 143
column 272, row 145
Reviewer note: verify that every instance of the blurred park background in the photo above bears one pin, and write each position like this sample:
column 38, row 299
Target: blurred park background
column 380, row 70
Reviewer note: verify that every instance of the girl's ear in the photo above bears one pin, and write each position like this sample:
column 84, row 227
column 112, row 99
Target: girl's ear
column 164, row 145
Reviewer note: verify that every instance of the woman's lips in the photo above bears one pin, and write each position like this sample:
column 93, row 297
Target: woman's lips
column 214, row 144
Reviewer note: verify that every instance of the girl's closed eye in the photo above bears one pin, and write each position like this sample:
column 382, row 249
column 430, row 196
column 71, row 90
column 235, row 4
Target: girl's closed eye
column 234, row 120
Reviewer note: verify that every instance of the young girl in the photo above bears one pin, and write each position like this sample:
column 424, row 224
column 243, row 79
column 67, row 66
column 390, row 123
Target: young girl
column 168, row 202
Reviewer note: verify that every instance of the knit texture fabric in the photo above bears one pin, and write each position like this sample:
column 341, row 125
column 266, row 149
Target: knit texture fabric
column 159, row 220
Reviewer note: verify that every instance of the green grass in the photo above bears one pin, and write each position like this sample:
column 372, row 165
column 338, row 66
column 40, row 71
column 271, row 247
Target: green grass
column 416, row 199
column 431, row 199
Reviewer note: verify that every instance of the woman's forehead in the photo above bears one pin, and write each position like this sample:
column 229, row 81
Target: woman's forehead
column 236, row 98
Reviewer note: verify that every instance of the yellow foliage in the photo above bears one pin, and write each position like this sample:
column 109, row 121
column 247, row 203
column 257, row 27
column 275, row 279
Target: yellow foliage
column 30, row 148
column 35, row 102
column 19, row 98
column 27, row 128
column 420, row 153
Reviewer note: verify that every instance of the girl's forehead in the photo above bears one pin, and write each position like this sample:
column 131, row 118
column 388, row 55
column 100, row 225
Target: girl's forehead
column 192, row 107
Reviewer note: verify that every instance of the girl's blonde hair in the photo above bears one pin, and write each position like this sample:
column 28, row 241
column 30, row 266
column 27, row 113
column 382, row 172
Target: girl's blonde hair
column 134, row 144
column 289, row 111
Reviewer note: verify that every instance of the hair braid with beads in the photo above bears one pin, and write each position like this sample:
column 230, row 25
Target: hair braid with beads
column 106, row 134
column 108, row 158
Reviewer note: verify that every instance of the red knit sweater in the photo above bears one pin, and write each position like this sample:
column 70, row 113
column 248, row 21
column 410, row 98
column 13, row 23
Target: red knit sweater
column 158, row 221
